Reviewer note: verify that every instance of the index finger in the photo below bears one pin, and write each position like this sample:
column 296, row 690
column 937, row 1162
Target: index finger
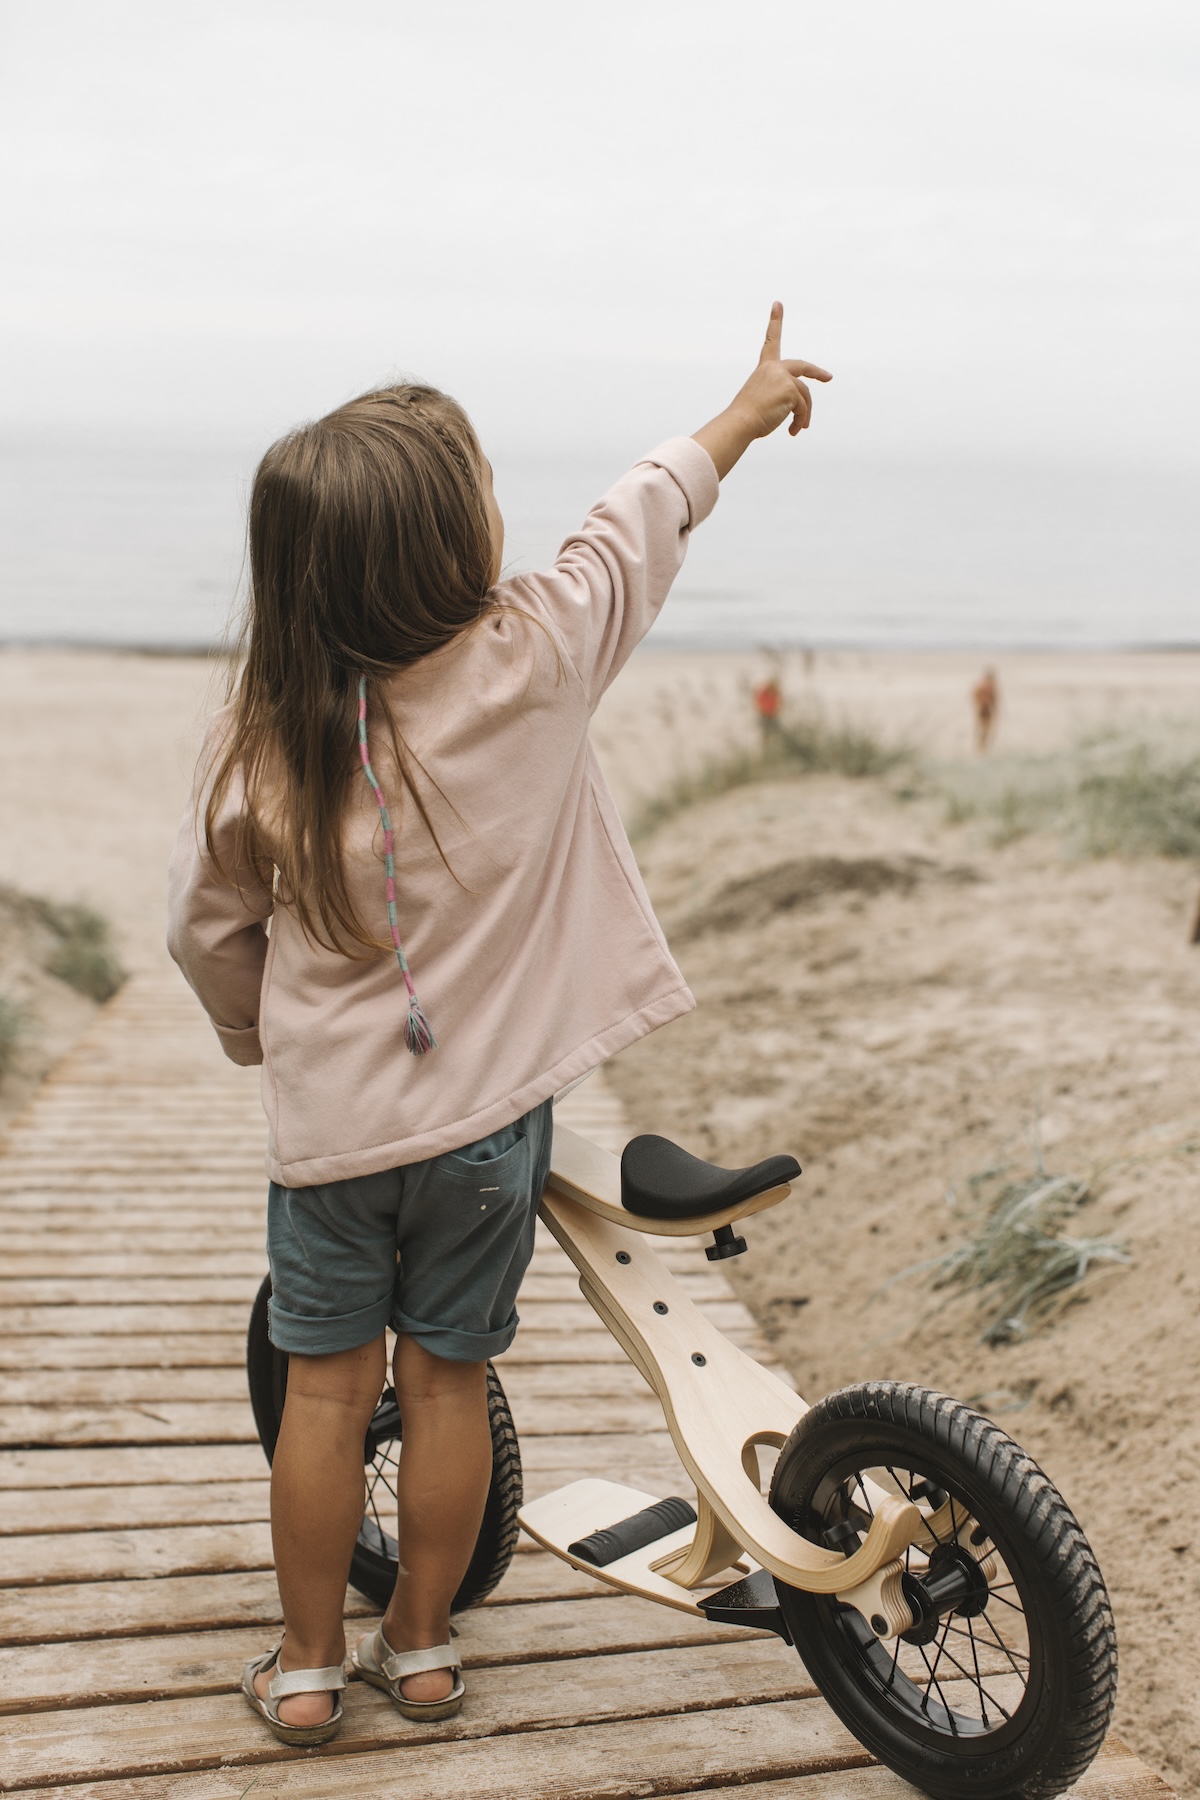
column 812, row 370
column 770, row 349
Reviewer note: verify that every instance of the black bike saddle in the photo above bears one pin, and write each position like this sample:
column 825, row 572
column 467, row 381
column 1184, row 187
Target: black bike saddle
column 661, row 1181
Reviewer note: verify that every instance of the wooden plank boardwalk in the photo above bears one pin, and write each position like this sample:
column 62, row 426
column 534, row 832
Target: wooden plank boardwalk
column 135, row 1561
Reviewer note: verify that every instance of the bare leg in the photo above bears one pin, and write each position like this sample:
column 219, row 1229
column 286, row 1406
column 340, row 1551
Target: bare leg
column 445, row 1471
column 317, row 1500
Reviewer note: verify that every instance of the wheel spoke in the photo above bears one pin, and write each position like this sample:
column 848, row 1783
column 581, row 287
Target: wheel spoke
column 978, row 1676
column 926, row 1516
column 941, row 1696
column 959, row 1632
column 380, row 1476
column 1003, row 1646
column 975, row 1679
column 375, row 1511
column 1011, row 1604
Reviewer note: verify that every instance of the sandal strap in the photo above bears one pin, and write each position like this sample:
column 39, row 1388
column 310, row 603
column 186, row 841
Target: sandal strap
column 306, row 1681
column 397, row 1664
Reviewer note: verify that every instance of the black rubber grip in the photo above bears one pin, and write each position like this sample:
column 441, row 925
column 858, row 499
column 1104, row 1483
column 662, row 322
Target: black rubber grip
column 634, row 1533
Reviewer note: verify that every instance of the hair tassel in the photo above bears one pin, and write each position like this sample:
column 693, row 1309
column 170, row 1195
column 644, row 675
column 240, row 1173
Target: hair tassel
column 417, row 1033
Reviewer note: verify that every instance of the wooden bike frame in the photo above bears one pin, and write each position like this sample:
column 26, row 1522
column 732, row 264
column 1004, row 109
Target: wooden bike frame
column 719, row 1405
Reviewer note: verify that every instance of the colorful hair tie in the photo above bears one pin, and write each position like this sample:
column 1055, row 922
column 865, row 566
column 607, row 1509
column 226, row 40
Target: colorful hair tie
column 417, row 1034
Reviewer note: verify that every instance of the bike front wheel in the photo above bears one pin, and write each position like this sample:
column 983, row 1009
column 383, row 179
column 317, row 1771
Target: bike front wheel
column 1005, row 1684
column 377, row 1554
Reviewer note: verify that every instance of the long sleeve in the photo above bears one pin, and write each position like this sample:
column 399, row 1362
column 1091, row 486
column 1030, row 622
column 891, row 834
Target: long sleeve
column 216, row 923
column 610, row 578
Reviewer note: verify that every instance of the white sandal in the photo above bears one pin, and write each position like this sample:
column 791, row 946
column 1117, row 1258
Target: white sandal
column 386, row 1668
column 285, row 1682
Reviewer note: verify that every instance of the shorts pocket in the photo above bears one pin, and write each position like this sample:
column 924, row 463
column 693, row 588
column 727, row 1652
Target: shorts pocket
column 495, row 1180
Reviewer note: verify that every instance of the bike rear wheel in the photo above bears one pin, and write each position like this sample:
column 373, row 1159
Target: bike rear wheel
column 1005, row 1685
column 376, row 1553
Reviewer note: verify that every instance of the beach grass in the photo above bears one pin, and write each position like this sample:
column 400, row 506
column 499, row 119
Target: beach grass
column 1019, row 1258
column 804, row 741
column 69, row 940
column 1104, row 797
column 84, row 956
column 13, row 1024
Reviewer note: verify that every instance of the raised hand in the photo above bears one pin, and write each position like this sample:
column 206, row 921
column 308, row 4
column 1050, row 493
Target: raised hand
column 777, row 390
column 777, row 387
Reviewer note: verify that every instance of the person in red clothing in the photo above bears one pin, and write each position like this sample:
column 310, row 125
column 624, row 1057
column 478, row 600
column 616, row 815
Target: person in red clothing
column 768, row 703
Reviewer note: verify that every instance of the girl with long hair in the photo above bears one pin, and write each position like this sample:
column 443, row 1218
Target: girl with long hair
column 403, row 888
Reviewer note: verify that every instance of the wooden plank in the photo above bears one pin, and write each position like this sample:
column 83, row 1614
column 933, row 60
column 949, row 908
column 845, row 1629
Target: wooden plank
column 109, row 1387
column 544, row 1318
column 153, row 1422
column 40, row 1510
column 549, row 1463
column 139, row 1552
column 167, row 1288
column 48, row 1236
column 177, row 1188
column 790, row 1741
column 220, row 1729
column 112, row 1468
column 47, row 1558
column 1115, row 1775
column 115, row 1387
column 184, row 1198
column 50, row 1676
column 225, row 1422
column 168, row 1349
column 138, row 1304
column 603, row 1761
column 135, row 1321
column 142, row 1464
column 527, row 1381
column 116, row 1609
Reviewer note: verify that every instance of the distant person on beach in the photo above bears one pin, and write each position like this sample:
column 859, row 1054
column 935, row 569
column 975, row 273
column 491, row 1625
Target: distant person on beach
column 768, row 705
column 985, row 697
column 400, row 795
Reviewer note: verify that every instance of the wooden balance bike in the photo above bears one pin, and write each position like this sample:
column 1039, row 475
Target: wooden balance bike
column 935, row 1584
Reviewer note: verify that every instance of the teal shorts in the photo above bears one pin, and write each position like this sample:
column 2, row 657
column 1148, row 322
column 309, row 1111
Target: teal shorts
column 436, row 1250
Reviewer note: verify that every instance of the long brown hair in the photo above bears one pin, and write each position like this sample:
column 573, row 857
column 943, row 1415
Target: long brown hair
column 370, row 546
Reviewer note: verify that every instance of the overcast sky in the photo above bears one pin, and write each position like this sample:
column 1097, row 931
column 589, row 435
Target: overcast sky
column 223, row 217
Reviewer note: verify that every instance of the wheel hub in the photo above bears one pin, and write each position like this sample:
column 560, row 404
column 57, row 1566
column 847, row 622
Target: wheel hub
column 953, row 1583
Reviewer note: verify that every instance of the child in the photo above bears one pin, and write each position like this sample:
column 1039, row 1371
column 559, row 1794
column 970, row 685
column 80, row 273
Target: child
column 400, row 800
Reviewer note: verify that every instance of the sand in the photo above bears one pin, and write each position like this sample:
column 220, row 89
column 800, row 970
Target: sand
column 893, row 998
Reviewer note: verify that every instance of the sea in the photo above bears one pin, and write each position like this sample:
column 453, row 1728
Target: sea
column 140, row 543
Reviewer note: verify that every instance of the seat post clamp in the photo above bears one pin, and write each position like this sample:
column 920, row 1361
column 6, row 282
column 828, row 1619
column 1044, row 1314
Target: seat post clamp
column 724, row 1244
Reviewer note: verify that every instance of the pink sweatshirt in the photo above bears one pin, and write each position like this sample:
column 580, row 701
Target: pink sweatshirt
column 544, row 957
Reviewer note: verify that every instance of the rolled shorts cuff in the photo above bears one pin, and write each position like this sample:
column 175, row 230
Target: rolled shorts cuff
column 307, row 1336
column 455, row 1345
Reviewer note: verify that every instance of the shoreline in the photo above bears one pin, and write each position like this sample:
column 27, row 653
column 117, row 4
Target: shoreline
column 668, row 646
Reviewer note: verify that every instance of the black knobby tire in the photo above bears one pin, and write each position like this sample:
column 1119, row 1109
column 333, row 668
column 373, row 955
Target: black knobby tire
column 376, row 1554
column 924, row 1708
